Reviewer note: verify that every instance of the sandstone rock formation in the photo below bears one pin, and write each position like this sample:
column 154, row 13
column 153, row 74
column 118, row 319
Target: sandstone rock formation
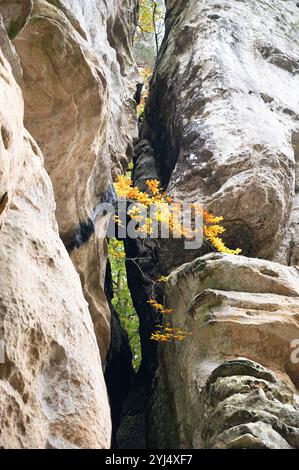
column 75, row 73
column 240, row 313
column 221, row 129
column 15, row 14
column 52, row 390
column 223, row 115
column 78, row 78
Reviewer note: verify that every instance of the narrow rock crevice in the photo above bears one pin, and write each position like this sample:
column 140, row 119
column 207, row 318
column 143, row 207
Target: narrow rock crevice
column 119, row 373
column 201, row 137
column 220, row 130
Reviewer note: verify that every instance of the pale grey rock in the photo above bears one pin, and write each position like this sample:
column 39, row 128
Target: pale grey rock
column 232, row 382
column 73, row 62
column 223, row 112
column 9, row 52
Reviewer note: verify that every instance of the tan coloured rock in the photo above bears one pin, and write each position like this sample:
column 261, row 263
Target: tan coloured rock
column 9, row 52
column 244, row 405
column 11, row 135
column 52, row 388
column 65, row 88
column 77, row 87
column 233, row 307
column 288, row 252
column 78, row 80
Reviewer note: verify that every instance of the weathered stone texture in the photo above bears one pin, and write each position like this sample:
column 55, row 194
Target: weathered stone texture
column 223, row 113
column 11, row 138
column 233, row 307
column 221, row 129
column 72, row 60
column 52, row 388
column 79, row 79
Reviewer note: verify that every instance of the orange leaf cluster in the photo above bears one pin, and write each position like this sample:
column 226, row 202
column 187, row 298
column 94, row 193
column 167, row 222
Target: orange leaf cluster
column 159, row 307
column 166, row 334
column 166, row 211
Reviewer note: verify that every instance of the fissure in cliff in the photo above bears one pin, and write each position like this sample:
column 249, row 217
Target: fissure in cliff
column 219, row 129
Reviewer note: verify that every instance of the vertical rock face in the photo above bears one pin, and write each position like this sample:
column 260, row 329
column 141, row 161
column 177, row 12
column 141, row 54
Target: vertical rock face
column 78, row 84
column 75, row 75
column 52, row 389
column 119, row 372
column 240, row 313
column 223, row 113
column 11, row 122
column 221, row 121
column 221, row 128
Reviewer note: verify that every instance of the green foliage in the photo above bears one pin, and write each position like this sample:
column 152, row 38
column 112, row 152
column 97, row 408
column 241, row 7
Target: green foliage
column 149, row 14
column 149, row 32
column 122, row 300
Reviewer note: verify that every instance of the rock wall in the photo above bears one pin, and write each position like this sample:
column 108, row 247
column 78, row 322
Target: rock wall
column 221, row 130
column 52, row 390
column 232, row 382
column 223, row 116
column 79, row 78
column 76, row 79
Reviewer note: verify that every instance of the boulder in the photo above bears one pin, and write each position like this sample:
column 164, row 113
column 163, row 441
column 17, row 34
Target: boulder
column 232, row 382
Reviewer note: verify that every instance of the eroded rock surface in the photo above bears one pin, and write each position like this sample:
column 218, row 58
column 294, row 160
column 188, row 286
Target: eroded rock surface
column 72, row 61
column 221, row 128
column 79, row 79
column 233, row 307
column 11, row 135
column 223, row 113
column 244, row 405
column 52, row 388
column 15, row 14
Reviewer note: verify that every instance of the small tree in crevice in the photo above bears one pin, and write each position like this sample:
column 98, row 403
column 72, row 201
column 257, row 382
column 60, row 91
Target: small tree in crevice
column 164, row 213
